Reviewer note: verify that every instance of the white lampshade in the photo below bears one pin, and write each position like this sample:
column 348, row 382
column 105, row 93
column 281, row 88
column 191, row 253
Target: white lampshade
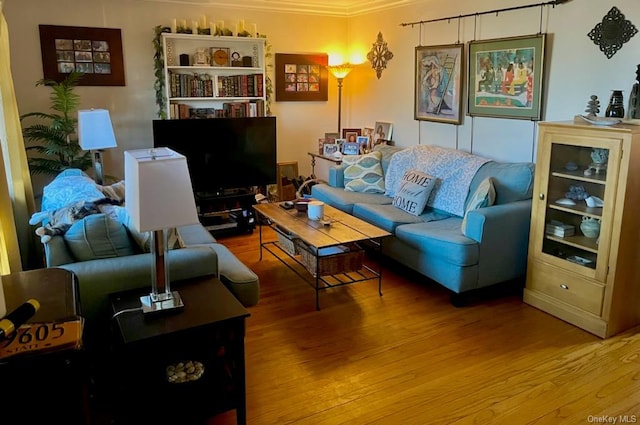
column 158, row 192
column 95, row 130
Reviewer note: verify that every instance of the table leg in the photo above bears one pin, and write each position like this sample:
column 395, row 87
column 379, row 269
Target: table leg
column 260, row 223
column 317, row 281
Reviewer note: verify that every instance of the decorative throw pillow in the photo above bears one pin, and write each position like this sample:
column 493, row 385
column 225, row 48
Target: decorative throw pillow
column 98, row 236
column 363, row 173
column 142, row 239
column 484, row 196
column 413, row 192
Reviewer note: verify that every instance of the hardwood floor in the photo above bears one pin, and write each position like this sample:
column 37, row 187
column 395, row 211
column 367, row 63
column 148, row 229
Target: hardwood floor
column 410, row 357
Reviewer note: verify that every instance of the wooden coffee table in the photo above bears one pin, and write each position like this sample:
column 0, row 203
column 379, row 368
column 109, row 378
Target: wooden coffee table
column 313, row 244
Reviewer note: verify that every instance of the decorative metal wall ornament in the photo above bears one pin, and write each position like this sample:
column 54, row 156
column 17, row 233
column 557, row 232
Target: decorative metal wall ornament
column 612, row 32
column 379, row 55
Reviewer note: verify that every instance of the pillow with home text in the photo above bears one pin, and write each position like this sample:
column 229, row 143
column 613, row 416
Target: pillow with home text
column 413, row 192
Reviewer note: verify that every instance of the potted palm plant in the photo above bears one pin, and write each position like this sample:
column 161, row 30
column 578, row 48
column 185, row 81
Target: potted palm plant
column 52, row 137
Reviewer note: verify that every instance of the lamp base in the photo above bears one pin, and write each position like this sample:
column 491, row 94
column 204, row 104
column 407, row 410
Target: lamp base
column 163, row 303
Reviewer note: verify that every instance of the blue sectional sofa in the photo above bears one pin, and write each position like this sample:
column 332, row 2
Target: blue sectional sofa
column 104, row 253
column 491, row 250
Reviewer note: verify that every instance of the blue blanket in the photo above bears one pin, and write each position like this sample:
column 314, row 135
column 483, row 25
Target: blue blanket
column 452, row 168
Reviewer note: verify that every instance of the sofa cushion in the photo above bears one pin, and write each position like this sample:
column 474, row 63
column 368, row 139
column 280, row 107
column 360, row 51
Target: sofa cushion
column 512, row 181
column 98, row 236
column 484, row 196
column 441, row 239
column 363, row 173
column 414, row 191
column 343, row 200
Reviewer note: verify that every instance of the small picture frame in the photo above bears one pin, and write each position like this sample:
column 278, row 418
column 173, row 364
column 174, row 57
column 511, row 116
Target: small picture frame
column 329, row 149
column 381, row 131
column 350, row 148
column 331, row 137
column 351, row 134
column 321, row 143
column 363, row 144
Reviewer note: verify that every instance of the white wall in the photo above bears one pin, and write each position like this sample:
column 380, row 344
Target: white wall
column 575, row 67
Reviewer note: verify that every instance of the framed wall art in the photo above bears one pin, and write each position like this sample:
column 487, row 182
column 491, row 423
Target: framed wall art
column 96, row 52
column 301, row 77
column 505, row 77
column 439, row 83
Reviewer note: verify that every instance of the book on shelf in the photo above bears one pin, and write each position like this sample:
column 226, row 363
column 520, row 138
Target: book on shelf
column 560, row 229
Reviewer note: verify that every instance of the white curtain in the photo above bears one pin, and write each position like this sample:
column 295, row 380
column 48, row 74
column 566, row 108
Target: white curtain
column 17, row 247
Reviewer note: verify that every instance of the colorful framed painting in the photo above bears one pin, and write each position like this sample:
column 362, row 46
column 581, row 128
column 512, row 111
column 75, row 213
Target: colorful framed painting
column 301, row 77
column 96, row 52
column 439, row 83
column 505, row 77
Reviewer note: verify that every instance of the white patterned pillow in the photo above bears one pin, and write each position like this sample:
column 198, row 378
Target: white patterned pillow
column 484, row 196
column 413, row 193
column 363, row 173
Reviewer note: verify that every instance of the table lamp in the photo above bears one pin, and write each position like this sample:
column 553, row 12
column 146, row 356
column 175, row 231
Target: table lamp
column 158, row 196
column 340, row 72
column 95, row 133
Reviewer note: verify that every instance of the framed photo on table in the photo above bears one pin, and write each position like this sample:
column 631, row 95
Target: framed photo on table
column 330, row 149
column 96, row 52
column 381, row 131
column 438, row 94
column 364, row 144
column 505, row 77
column 350, row 148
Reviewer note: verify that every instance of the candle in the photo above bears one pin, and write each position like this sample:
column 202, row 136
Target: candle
column 203, row 22
column 254, row 28
column 220, row 26
column 174, row 26
column 212, row 28
column 194, row 28
column 183, row 24
column 241, row 25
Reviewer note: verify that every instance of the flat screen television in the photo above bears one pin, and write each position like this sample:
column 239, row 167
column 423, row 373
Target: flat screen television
column 223, row 154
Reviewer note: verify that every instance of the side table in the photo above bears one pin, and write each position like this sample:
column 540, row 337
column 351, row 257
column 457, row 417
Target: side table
column 210, row 330
column 44, row 382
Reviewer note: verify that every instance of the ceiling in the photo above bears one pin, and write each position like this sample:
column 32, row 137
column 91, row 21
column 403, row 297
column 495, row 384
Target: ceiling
column 313, row 7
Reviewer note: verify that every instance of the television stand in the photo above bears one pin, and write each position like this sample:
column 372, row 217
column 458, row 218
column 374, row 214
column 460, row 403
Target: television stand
column 227, row 210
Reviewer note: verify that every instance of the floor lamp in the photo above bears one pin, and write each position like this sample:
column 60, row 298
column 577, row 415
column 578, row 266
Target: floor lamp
column 95, row 133
column 340, row 72
column 159, row 197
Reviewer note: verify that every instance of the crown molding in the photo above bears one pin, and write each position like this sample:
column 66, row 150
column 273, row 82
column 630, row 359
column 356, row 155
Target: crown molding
column 340, row 8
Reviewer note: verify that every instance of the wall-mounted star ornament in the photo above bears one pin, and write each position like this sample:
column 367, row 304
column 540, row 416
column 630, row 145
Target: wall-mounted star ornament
column 612, row 32
column 379, row 55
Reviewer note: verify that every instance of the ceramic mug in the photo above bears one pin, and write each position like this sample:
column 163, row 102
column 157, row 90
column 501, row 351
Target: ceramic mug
column 315, row 210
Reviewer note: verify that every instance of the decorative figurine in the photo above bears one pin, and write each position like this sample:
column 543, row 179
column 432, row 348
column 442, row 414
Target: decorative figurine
column 634, row 97
column 593, row 106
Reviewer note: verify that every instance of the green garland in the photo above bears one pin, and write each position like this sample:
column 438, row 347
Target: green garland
column 158, row 71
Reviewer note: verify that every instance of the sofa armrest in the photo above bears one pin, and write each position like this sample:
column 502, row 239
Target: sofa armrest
column 99, row 278
column 336, row 176
column 57, row 253
column 503, row 235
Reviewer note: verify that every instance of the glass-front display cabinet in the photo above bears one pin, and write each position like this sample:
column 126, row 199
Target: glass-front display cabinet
column 583, row 261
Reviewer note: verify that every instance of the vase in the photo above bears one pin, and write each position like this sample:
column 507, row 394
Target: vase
column 590, row 227
column 615, row 109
